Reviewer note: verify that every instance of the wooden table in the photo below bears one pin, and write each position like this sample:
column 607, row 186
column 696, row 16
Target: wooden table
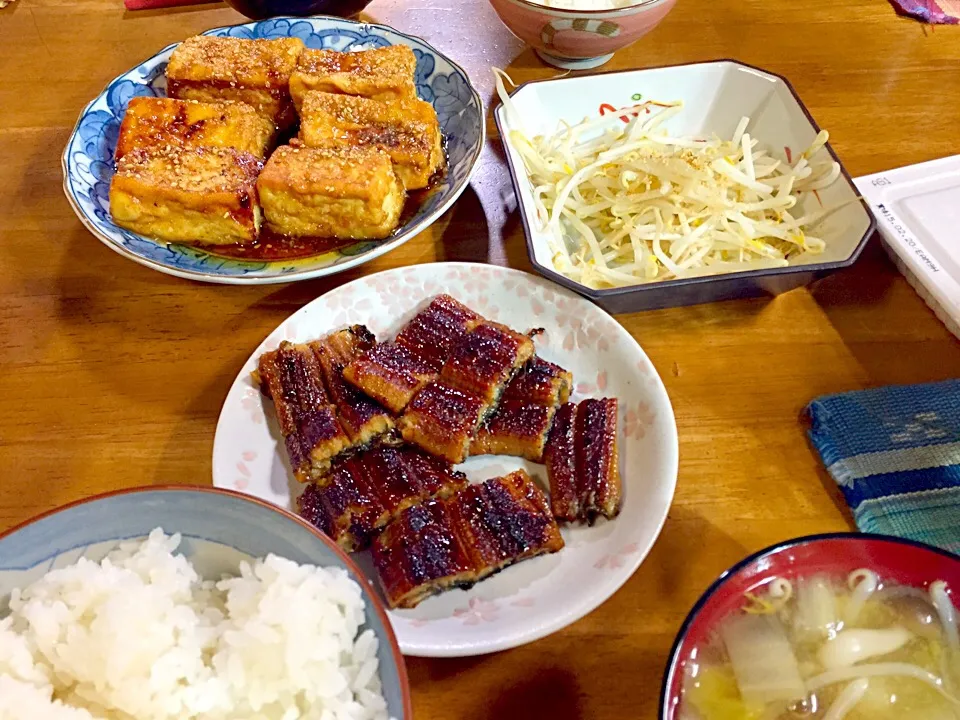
column 114, row 374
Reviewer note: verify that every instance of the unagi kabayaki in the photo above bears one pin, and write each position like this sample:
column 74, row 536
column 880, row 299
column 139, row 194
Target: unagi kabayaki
column 292, row 377
column 458, row 541
column 363, row 419
column 394, row 372
column 582, row 463
column 521, row 422
column 433, row 331
column 444, row 416
column 363, row 493
column 320, row 416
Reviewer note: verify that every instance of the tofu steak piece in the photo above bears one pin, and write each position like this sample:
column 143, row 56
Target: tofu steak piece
column 152, row 122
column 582, row 461
column 407, row 130
column 380, row 74
column 350, row 193
column 362, row 494
column 255, row 72
column 187, row 195
column 459, row 540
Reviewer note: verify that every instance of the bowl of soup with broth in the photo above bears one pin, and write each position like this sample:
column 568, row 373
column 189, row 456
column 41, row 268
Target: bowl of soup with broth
column 846, row 626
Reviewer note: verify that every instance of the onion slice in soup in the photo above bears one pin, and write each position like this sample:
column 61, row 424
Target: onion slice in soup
column 762, row 660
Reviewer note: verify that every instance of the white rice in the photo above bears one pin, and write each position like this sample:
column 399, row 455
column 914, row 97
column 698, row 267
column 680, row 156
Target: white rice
column 139, row 636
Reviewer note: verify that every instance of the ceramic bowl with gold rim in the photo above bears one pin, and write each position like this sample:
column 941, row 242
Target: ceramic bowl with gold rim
column 568, row 36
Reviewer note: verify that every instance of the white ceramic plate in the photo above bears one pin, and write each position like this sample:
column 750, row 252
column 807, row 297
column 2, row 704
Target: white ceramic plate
column 537, row 597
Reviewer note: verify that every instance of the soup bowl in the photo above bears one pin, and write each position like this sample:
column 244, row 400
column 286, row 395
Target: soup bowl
column 904, row 562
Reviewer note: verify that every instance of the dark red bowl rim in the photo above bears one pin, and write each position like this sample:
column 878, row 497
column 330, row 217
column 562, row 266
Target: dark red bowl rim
column 595, row 294
column 673, row 659
column 347, row 560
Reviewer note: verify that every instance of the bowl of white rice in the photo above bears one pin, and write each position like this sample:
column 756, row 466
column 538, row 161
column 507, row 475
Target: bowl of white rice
column 166, row 603
column 580, row 34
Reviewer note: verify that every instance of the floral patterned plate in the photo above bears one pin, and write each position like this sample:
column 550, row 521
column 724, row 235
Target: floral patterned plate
column 88, row 157
column 539, row 596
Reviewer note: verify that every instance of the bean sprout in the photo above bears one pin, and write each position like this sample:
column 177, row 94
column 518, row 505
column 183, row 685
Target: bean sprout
column 847, row 699
column 831, row 677
column 863, row 583
column 631, row 203
column 948, row 614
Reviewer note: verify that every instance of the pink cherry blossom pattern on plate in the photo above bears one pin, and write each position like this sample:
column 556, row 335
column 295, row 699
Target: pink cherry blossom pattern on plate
column 618, row 559
column 524, row 602
column 418, row 622
column 637, row 419
column 477, row 611
column 252, row 403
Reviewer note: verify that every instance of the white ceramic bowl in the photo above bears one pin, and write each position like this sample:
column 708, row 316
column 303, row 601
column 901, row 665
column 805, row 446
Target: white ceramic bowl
column 716, row 95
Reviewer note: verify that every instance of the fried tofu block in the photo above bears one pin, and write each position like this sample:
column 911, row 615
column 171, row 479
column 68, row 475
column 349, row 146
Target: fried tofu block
column 363, row 419
column 331, row 192
column 362, row 494
column 407, row 130
column 255, row 72
column 390, row 374
column 582, row 461
column 205, row 195
column 153, row 122
column 442, row 420
column 484, row 360
column 540, row 382
column 460, row 540
column 292, row 377
column 515, row 428
column 433, row 332
column 380, row 74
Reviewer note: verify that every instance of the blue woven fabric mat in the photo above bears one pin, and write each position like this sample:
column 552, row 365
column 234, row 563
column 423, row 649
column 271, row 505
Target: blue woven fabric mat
column 895, row 453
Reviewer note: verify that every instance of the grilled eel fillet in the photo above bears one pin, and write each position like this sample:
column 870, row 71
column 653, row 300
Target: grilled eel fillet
column 392, row 373
column 521, row 422
column 363, row 493
column 444, row 416
column 581, row 460
column 460, row 540
column 320, row 416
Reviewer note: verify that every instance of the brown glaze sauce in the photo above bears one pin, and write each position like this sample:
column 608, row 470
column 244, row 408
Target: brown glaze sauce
column 272, row 246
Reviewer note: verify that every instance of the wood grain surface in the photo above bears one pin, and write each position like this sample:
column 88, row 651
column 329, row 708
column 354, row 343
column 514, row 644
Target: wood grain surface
column 113, row 375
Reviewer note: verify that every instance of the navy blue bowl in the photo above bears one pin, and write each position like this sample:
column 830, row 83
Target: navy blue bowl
column 219, row 528
column 263, row 9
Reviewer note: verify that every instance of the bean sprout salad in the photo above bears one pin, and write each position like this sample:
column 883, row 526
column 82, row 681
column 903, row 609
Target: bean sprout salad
column 631, row 203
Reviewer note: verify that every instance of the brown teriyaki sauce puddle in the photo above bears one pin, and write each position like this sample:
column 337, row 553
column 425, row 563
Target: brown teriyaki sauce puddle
column 274, row 246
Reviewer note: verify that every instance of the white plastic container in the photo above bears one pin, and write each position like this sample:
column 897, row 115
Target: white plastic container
column 918, row 214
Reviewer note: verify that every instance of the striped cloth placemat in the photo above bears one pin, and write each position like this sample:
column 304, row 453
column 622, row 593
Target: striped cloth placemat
column 895, row 453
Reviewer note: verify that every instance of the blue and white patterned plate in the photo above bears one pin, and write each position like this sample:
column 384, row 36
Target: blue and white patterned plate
column 88, row 157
